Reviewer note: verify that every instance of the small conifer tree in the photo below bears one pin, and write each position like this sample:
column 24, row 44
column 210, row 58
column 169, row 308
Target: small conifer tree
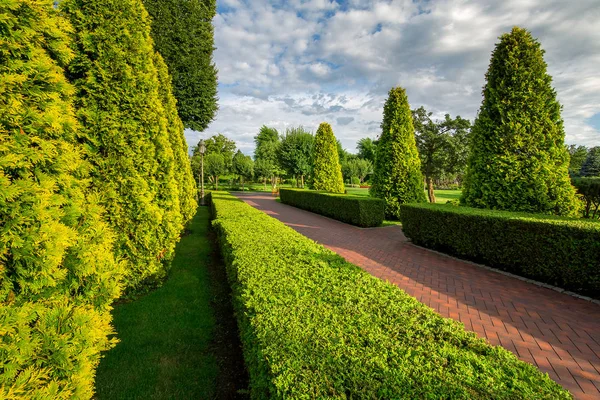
column 327, row 173
column 518, row 161
column 58, row 276
column 397, row 174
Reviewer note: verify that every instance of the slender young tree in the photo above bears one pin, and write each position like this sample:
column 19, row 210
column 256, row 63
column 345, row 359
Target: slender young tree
column 397, row 174
column 327, row 174
column 518, row 160
column 123, row 125
column 184, row 35
column 295, row 153
column 58, row 275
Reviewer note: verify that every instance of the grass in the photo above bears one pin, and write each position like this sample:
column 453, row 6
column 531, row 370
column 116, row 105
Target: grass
column 178, row 342
column 441, row 196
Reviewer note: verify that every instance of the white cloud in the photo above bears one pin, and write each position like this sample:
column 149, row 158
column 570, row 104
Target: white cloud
column 301, row 62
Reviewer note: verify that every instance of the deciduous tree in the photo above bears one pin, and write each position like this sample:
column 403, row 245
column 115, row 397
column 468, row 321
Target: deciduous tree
column 295, row 154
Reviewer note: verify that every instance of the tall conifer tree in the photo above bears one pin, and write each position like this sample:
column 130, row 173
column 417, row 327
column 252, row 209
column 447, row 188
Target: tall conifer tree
column 518, row 161
column 58, row 275
column 397, row 174
column 327, row 173
column 124, row 126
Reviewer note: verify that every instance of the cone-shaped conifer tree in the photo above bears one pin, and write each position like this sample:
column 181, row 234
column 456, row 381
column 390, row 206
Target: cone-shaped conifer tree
column 327, row 174
column 518, row 161
column 397, row 174
column 58, row 275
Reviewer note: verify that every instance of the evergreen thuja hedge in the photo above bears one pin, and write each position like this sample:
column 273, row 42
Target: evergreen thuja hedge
column 58, row 275
column 315, row 326
column 327, row 171
column 125, row 127
column 356, row 210
column 559, row 251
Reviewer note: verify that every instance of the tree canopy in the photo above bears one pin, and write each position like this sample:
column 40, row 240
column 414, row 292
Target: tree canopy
column 295, row 153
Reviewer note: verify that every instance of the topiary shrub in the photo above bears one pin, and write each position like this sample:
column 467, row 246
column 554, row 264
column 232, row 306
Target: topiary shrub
column 327, row 172
column 518, row 160
column 125, row 128
column 58, row 275
column 356, row 210
column 397, row 174
column 560, row 251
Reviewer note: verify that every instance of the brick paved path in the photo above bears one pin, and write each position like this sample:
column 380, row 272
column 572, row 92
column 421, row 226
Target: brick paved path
column 558, row 333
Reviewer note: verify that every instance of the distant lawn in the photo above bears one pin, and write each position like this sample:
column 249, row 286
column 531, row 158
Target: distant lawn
column 441, row 196
column 173, row 341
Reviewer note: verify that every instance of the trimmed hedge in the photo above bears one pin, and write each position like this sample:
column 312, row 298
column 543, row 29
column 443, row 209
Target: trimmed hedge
column 315, row 326
column 356, row 210
column 560, row 251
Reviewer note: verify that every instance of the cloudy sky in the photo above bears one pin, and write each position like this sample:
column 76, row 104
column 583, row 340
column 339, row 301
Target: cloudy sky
column 301, row 62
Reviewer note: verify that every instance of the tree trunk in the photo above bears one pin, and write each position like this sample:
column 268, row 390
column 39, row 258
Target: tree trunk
column 265, row 182
column 217, row 183
column 430, row 192
column 302, row 181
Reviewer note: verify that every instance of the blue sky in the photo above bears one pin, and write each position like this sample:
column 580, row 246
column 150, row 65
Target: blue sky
column 301, row 62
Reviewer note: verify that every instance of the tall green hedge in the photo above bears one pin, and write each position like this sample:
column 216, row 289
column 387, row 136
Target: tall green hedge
column 314, row 326
column 126, row 131
column 58, row 275
column 356, row 210
column 397, row 174
column 327, row 172
column 560, row 251
column 518, row 160
column 186, row 184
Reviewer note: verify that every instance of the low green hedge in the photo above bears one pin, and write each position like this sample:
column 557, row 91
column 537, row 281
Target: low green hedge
column 356, row 210
column 559, row 251
column 314, row 326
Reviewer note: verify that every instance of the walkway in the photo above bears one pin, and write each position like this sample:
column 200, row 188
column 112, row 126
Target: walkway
column 558, row 333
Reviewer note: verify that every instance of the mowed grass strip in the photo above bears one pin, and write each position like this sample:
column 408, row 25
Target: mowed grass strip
column 167, row 338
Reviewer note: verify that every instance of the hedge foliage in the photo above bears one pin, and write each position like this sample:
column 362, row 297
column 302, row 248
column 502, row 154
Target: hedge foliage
column 128, row 133
column 589, row 189
column 356, row 210
column 315, row 326
column 327, row 172
column 397, row 174
column 518, row 160
column 559, row 251
column 58, row 275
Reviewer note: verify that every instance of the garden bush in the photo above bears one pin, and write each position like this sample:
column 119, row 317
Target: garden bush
column 589, row 189
column 556, row 250
column 315, row 326
column 356, row 210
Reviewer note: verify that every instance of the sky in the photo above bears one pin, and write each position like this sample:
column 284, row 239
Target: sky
column 286, row 63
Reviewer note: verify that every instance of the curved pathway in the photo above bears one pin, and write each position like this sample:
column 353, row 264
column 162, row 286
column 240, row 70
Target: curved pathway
column 558, row 333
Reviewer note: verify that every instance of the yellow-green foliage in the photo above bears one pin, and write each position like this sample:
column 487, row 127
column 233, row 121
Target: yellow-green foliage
column 183, row 171
column 58, row 276
column 397, row 174
column 124, row 124
column 327, row 173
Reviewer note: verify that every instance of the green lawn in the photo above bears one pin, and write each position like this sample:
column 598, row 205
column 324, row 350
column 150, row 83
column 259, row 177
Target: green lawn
column 171, row 340
column 441, row 196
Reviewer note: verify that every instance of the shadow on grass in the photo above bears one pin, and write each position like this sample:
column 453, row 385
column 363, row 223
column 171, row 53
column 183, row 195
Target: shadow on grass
column 181, row 340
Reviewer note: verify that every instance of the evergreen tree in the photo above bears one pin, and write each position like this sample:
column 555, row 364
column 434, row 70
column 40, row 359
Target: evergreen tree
column 397, row 174
column 186, row 185
column 578, row 155
column 591, row 165
column 58, row 276
column 327, row 173
column 518, row 160
column 183, row 34
column 124, row 126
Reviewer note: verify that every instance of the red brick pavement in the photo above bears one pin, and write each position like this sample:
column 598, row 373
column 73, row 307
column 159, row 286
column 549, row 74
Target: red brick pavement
column 558, row 333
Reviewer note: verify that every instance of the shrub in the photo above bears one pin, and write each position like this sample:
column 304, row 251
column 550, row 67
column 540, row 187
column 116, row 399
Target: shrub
column 589, row 189
column 58, row 275
column 560, row 251
column 123, row 124
column 397, row 174
column 327, row 173
column 315, row 326
column 356, row 210
column 518, row 160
